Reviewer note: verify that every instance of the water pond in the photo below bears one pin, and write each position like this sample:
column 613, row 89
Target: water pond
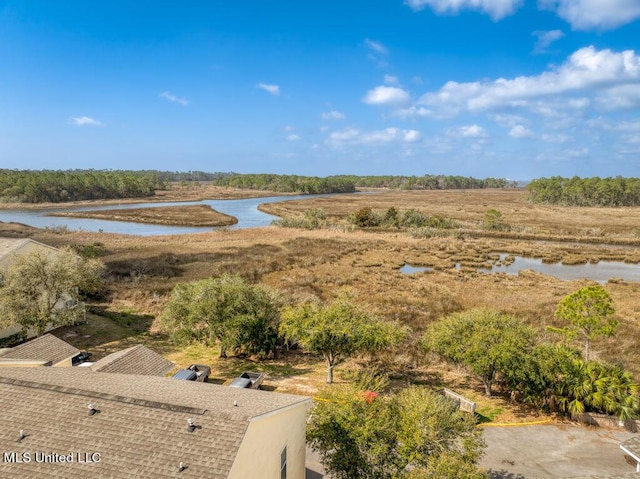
column 601, row 272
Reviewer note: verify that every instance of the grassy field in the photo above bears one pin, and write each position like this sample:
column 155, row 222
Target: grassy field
column 298, row 263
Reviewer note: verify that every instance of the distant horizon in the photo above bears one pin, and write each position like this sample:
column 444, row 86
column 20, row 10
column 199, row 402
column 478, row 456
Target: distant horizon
column 517, row 89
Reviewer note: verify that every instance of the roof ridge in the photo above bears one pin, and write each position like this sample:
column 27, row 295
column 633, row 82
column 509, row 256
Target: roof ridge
column 106, row 396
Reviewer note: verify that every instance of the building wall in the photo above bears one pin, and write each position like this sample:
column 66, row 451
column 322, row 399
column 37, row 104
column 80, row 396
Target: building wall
column 266, row 437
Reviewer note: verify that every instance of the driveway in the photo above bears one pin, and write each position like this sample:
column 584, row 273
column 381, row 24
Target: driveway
column 540, row 452
column 554, row 450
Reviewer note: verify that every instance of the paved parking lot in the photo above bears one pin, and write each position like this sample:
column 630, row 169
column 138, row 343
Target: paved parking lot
column 554, row 450
column 540, row 452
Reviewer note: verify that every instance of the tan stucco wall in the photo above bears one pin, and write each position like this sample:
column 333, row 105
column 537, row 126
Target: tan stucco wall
column 259, row 454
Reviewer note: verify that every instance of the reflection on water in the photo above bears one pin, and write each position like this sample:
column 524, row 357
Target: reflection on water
column 245, row 210
column 600, row 272
column 410, row 269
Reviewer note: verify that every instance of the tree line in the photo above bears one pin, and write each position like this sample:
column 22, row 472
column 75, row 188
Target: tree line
column 287, row 183
column 55, row 186
column 593, row 191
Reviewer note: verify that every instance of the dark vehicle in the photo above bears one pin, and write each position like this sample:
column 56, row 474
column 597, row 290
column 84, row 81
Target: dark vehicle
column 195, row 372
column 248, row 380
column 80, row 358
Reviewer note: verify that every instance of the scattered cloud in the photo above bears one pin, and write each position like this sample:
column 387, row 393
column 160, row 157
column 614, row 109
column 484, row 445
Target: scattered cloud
column 586, row 71
column 386, row 95
column 376, row 46
column 391, row 80
column 172, row 98
column 469, row 131
column 273, row 89
column 520, row 131
column 496, row 9
column 293, row 137
column 84, row 121
column 388, row 135
column 545, row 38
column 289, row 128
column 333, row 115
column 594, row 14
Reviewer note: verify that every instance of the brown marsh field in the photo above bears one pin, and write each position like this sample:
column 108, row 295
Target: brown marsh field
column 298, row 263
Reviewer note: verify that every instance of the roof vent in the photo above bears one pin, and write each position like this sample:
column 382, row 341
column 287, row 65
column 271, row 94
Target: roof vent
column 235, row 403
column 92, row 409
column 21, row 435
column 192, row 425
column 181, row 467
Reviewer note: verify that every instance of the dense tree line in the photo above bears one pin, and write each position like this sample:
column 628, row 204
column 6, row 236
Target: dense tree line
column 577, row 191
column 429, row 182
column 288, row 183
column 73, row 185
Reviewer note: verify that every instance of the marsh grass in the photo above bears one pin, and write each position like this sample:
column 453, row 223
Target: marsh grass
column 298, row 263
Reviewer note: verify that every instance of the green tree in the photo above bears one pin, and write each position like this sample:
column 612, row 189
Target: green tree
column 226, row 310
column 46, row 287
column 338, row 330
column 415, row 433
column 485, row 340
column 589, row 312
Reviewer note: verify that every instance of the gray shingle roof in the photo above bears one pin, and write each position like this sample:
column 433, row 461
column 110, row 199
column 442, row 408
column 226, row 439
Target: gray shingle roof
column 627, row 475
column 141, row 429
column 44, row 348
column 134, row 360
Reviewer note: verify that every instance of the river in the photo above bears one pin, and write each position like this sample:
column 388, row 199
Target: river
column 245, row 210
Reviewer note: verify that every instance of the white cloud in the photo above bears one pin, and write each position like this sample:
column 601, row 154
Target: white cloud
column 546, row 38
column 414, row 112
column 469, row 131
column 496, row 9
column 273, row 89
column 594, row 14
column 391, row 80
column 556, row 138
column 289, row 128
column 293, row 137
column 587, row 69
column 386, row 95
column 520, row 131
column 169, row 96
column 508, row 121
column 388, row 135
column 85, row 121
column 333, row 115
column 376, row 46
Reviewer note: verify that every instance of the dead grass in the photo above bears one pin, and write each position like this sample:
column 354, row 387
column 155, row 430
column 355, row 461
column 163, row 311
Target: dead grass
column 192, row 215
column 299, row 263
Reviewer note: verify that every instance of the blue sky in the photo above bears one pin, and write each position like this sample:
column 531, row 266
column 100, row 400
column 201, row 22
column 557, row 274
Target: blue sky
column 510, row 88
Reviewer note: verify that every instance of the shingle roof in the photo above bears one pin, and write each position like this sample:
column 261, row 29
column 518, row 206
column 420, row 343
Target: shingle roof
column 8, row 245
column 134, row 360
column 141, row 429
column 43, row 348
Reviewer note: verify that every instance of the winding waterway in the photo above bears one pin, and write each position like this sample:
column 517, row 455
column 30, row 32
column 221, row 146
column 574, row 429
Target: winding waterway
column 245, row 210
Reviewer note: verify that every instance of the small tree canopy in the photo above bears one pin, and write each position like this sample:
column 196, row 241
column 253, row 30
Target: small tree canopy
column 589, row 311
column 338, row 330
column 485, row 340
column 415, row 433
column 45, row 288
column 227, row 310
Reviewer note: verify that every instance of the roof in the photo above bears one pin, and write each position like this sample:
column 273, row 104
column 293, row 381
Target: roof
column 134, row 360
column 13, row 245
column 141, row 427
column 43, row 348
